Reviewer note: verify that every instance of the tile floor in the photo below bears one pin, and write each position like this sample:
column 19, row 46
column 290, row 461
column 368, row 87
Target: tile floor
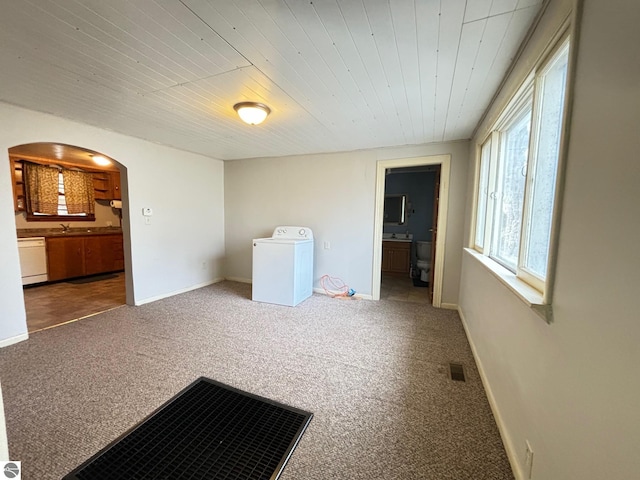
column 55, row 303
column 402, row 289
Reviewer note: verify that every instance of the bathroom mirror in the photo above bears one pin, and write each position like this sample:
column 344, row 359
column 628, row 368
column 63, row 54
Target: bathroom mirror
column 395, row 209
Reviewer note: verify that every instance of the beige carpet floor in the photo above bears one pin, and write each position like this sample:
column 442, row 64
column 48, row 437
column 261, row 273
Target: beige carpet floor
column 373, row 373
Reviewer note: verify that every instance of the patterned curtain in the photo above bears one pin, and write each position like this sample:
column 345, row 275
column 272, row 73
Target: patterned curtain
column 41, row 188
column 78, row 191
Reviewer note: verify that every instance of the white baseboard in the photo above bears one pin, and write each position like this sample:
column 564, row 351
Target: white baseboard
column 449, row 306
column 239, row 279
column 177, row 292
column 10, row 341
column 315, row 290
column 357, row 295
column 504, row 434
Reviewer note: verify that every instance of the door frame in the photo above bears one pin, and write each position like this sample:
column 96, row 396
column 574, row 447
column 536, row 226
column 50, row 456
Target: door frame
column 445, row 168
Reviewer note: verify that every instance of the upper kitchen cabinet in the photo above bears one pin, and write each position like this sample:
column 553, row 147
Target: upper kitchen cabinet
column 107, row 185
column 115, row 186
column 18, row 185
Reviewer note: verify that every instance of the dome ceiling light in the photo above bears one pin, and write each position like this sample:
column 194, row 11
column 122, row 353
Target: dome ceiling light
column 100, row 160
column 251, row 112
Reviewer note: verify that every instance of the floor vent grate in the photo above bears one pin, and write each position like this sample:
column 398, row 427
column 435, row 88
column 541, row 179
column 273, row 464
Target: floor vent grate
column 209, row 431
column 456, row 372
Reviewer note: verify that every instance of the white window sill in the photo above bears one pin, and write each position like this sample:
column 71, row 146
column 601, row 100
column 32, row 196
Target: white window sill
column 525, row 292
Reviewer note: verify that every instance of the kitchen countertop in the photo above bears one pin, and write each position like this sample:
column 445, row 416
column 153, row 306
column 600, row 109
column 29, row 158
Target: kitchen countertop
column 73, row 232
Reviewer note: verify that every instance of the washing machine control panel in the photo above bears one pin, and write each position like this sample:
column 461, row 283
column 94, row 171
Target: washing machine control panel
column 299, row 233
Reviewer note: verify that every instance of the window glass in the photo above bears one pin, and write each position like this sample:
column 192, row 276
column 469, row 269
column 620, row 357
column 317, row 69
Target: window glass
column 483, row 193
column 550, row 96
column 509, row 198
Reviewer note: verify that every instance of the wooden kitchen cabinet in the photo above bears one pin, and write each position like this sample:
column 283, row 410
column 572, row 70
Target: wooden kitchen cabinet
column 65, row 257
column 77, row 256
column 396, row 257
column 98, row 255
column 106, row 185
column 103, row 253
column 115, row 186
column 101, row 185
column 19, row 201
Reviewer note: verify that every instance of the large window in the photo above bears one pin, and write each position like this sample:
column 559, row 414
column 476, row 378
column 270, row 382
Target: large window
column 518, row 175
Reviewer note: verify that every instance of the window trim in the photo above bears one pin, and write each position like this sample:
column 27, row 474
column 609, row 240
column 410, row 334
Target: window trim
column 538, row 295
column 482, row 162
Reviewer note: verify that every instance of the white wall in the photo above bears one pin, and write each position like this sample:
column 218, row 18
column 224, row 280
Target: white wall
column 572, row 388
column 334, row 195
column 185, row 191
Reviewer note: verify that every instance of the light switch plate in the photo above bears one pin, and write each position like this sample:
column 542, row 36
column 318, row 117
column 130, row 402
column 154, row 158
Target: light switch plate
column 147, row 212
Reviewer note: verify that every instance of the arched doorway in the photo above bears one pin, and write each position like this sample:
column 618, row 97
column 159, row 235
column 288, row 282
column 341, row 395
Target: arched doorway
column 71, row 252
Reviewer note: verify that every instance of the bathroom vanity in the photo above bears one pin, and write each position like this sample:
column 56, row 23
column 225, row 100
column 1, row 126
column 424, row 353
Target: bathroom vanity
column 396, row 256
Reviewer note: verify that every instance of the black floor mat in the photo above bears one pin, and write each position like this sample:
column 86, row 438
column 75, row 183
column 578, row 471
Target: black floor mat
column 93, row 278
column 419, row 283
column 207, row 431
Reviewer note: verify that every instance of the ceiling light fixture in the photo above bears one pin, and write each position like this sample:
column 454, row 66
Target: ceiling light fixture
column 251, row 112
column 100, row 160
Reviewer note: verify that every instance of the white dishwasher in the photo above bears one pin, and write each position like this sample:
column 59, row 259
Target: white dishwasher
column 283, row 266
column 33, row 260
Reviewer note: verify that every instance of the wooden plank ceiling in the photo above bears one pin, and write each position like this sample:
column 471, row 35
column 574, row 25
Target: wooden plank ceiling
column 338, row 75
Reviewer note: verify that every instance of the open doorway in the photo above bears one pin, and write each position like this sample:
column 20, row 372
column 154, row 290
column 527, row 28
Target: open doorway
column 435, row 233
column 408, row 233
column 68, row 213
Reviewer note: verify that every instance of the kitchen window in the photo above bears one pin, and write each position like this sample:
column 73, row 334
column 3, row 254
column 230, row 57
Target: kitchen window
column 62, row 203
column 46, row 198
column 518, row 175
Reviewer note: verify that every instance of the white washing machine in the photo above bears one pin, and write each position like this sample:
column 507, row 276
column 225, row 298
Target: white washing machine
column 283, row 266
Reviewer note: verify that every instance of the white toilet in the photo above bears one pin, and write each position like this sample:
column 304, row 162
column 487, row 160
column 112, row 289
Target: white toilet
column 423, row 252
